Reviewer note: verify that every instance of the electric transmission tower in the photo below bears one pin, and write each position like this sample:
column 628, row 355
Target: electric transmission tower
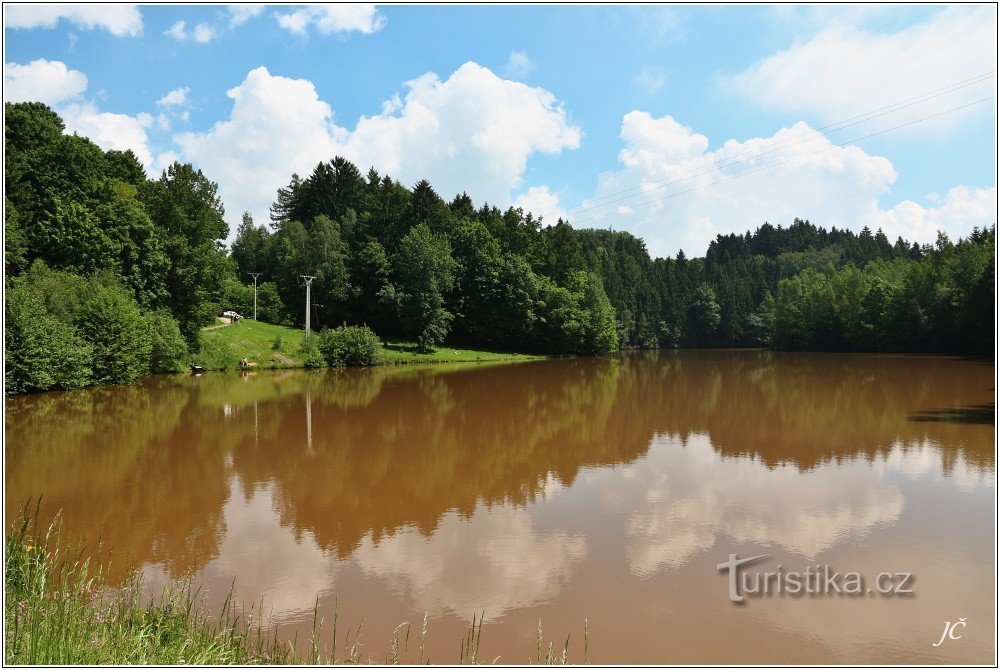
column 308, row 281
column 254, row 275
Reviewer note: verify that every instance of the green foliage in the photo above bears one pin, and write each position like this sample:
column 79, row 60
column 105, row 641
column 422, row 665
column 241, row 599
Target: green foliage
column 703, row 316
column 310, row 353
column 599, row 333
column 350, row 346
column 236, row 296
column 41, row 352
column 184, row 205
column 942, row 302
column 415, row 267
column 110, row 321
column 269, row 305
column 168, row 349
column 424, row 272
column 67, row 331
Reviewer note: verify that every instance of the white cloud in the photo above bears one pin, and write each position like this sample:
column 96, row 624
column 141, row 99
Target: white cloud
column 62, row 89
column 518, row 64
column 342, row 17
column 649, row 81
column 956, row 214
column 116, row 19
column 473, row 131
column 203, row 33
column 844, row 66
column 694, row 193
column 200, row 33
column 240, row 14
column 177, row 31
column 109, row 130
column 541, row 202
column 41, row 80
column 178, row 96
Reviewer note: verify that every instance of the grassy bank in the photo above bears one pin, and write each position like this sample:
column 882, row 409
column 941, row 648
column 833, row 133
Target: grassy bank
column 59, row 611
column 271, row 346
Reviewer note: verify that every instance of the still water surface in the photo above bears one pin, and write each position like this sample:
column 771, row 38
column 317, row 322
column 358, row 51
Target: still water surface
column 607, row 489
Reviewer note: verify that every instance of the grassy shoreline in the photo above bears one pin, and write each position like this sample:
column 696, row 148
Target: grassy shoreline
column 59, row 610
column 277, row 347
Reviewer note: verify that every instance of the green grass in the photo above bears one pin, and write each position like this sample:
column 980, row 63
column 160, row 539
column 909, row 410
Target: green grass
column 408, row 352
column 58, row 610
column 223, row 347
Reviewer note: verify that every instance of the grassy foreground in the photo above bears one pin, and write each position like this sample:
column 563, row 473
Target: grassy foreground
column 271, row 346
column 58, row 610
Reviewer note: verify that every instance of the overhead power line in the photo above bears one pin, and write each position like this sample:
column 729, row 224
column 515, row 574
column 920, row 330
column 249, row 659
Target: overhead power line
column 771, row 147
column 795, row 158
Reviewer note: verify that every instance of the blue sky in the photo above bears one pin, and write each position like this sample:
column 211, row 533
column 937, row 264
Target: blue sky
column 547, row 107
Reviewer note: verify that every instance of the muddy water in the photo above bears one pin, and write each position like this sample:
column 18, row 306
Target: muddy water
column 599, row 489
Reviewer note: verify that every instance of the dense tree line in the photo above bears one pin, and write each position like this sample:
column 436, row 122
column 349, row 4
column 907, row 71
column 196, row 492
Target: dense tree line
column 413, row 266
column 108, row 275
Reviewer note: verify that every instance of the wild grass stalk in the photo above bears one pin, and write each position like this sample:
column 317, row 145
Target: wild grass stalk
column 59, row 610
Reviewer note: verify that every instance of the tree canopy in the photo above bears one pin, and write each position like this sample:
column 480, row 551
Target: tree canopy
column 411, row 265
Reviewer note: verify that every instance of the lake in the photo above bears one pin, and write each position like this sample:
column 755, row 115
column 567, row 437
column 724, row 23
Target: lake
column 607, row 489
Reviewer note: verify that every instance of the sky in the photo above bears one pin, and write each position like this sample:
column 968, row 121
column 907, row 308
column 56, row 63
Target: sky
column 675, row 123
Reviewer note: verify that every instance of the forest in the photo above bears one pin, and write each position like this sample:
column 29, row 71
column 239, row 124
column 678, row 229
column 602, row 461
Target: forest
column 111, row 274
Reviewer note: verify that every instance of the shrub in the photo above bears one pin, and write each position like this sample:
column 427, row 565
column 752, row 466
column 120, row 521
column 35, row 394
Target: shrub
column 311, row 356
column 41, row 352
column 350, row 346
column 276, row 345
column 168, row 347
column 110, row 321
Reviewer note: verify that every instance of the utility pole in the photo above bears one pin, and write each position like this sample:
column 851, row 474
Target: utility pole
column 308, row 280
column 254, row 275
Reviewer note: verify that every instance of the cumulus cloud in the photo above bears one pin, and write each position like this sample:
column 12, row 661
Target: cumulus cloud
column 240, row 14
column 676, row 192
column 542, row 202
column 955, row 213
column 828, row 74
column 62, row 89
column 178, row 31
column 178, row 96
column 201, row 33
column 109, row 130
column 518, row 64
column 41, row 80
column 118, row 20
column 473, row 131
column 342, row 17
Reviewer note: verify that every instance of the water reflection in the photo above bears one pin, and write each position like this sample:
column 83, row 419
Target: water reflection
column 519, row 489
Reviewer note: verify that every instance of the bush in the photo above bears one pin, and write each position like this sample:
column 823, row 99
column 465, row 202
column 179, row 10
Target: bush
column 110, row 321
column 310, row 353
column 168, row 347
column 41, row 352
column 346, row 346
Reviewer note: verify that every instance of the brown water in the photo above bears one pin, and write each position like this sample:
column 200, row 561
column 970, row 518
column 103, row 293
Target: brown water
column 605, row 489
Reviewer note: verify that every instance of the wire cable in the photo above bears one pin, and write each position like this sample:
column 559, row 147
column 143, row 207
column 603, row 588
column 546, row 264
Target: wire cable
column 795, row 158
column 776, row 146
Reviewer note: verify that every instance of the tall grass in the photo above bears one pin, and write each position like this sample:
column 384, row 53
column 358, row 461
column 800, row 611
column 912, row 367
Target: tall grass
column 59, row 610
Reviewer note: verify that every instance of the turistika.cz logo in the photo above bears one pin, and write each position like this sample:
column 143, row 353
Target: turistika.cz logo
column 815, row 580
